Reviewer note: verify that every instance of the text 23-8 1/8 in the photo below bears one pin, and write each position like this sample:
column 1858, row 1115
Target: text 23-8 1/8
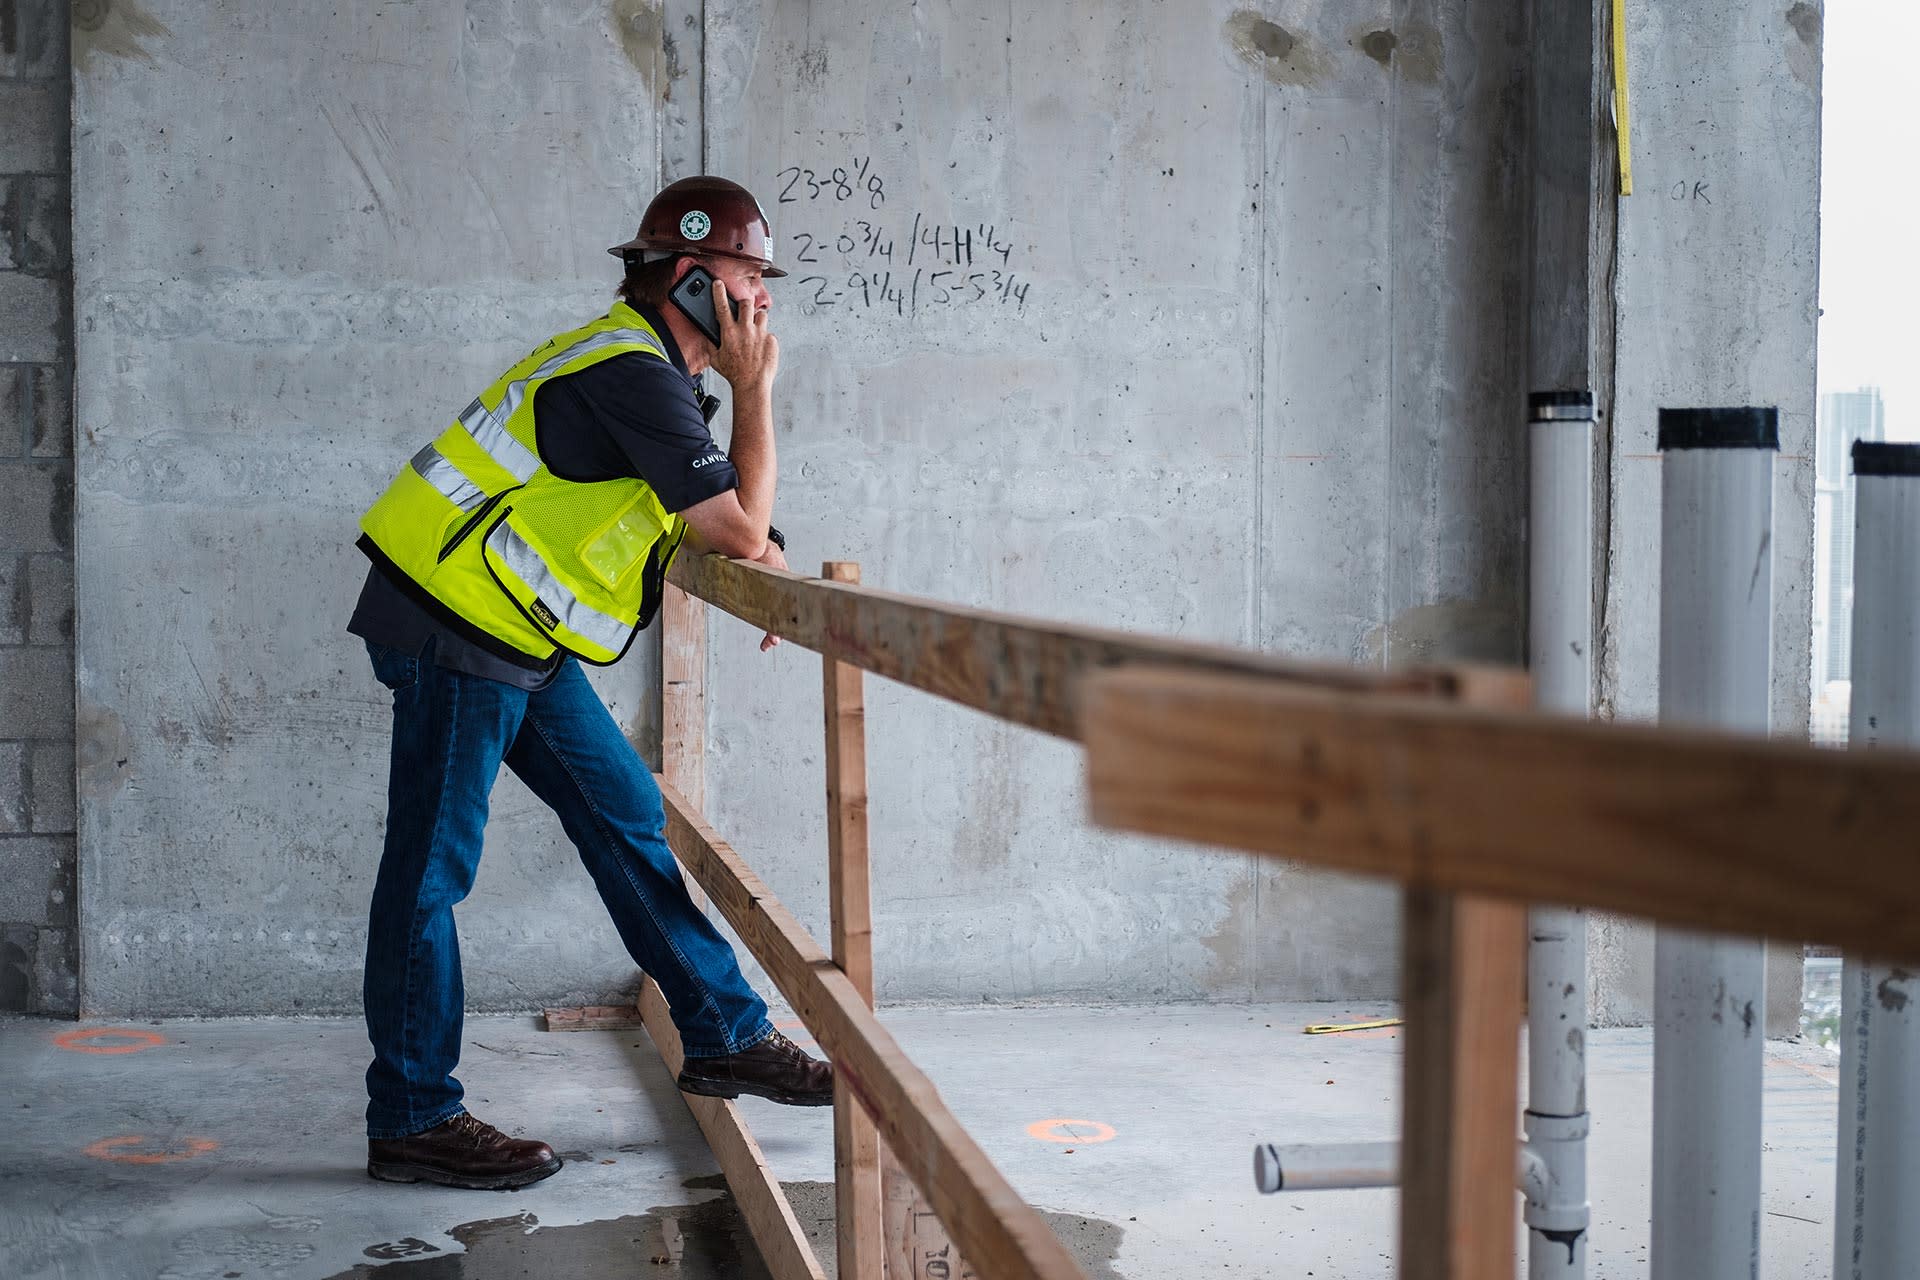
column 842, row 183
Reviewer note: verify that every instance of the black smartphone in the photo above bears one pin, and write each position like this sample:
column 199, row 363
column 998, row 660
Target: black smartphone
column 694, row 296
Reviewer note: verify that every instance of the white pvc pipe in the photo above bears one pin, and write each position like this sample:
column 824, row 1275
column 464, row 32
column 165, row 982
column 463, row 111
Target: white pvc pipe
column 1325, row 1166
column 1560, row 550
column 1559, row 631
column 1339, row 1166
column 1877, row 1201
column 1716, row 586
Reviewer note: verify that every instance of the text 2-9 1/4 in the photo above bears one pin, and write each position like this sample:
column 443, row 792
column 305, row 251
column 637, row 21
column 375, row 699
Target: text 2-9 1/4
column 908, row 296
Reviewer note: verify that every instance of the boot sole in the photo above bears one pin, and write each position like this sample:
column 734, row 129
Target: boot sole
column 448, row 1178
column 714, row 1089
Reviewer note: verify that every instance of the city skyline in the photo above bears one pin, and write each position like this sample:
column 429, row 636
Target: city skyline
column 1869, row 262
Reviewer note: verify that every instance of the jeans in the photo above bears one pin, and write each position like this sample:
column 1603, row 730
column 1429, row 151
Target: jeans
column 451, row 731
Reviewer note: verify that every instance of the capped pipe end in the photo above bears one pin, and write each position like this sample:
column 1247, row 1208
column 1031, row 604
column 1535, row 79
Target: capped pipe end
column 1559, row 406
column 1267, row 1174
column 1745, row 427
column 1875, row 458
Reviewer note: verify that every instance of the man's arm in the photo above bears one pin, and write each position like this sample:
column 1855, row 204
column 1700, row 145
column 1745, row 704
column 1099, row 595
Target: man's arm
column 773, row 557
column 735, row 523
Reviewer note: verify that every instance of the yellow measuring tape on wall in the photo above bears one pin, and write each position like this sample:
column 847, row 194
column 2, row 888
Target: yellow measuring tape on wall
column 1620, row 131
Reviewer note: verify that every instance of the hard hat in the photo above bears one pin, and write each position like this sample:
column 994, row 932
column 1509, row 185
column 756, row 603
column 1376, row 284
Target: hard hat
column 705, row 216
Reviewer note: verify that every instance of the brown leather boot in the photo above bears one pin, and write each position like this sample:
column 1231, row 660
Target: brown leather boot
column 463, row 1152
column 776, row 1068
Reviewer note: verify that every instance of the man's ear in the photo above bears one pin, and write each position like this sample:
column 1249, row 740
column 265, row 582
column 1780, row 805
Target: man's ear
column 681, row 266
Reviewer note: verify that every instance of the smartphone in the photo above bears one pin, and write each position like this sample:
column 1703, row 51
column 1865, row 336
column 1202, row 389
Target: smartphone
column 694, row 297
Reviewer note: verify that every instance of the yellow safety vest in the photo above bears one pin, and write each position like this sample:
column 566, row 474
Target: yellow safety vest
column 478, row 524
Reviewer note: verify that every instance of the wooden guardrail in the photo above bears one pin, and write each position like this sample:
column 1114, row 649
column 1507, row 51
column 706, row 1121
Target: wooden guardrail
column 1737, row 835
column 1442, row 779
column 1464, row 955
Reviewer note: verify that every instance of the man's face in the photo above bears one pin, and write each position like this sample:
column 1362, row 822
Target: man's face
column 742, row 280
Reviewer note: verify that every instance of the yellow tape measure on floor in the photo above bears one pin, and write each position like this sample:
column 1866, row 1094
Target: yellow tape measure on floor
column 1333, row 1028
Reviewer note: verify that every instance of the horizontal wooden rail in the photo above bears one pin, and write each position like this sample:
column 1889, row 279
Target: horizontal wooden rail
column 1015, row 668
column 996, row 1231
column 1706, row 830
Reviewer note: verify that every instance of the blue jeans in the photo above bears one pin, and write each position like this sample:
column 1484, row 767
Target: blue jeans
column 451, row 731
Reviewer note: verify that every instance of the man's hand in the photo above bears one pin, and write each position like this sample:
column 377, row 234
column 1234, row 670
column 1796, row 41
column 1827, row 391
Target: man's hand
column 774, row 558
column 749, row 354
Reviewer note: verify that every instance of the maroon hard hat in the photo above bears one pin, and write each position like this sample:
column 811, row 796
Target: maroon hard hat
column 706, row 216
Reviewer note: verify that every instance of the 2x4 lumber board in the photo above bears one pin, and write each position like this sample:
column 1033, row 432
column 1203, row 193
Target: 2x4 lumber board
column 856, row 1144
column 1463, row 966
column 683, row 698
column 849, row 878
column 917, row 1247
column 1017, row 669
column 763, row 1203
column 1705, row 830
column 593, row 1017
column 1463, row 961
column 1000, row 1234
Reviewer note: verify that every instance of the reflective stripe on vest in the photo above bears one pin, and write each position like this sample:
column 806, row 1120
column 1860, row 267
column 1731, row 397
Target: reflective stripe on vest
column 488, row 426
column 570, row 611
column 452, row 483
column 492, row 436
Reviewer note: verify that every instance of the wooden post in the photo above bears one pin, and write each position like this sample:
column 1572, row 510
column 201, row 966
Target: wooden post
column 1464, row 974
column 683, row 694
column 917, row 1246
column 1463, row 979
column 856, row 1154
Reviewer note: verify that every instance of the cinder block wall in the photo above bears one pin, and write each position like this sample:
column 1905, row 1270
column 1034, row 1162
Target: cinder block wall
column 38, row 942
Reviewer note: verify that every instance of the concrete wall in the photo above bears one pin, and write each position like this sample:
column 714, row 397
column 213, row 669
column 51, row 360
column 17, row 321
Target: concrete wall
column 1263, row 389
column 1254, row 382
column 1715, row 304
column 38, row 944
column 1250, row 371
column 308, row 235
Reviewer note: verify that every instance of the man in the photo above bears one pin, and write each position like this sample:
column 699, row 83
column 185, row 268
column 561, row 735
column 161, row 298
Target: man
column 533, row 533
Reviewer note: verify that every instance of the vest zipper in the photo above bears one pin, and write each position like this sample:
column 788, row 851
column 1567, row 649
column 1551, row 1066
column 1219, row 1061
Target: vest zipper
column 461, row 534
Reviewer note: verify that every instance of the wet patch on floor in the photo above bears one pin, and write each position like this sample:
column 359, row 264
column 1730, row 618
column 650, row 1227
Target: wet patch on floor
column 704, row 1241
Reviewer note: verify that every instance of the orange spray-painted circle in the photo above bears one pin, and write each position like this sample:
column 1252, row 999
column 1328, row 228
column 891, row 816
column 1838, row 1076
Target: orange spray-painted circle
column 108, row 1040
column 123, row 1150
column 1083, row 1133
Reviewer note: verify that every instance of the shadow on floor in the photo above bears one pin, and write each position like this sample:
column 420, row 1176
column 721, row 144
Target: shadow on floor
column 705, row 1241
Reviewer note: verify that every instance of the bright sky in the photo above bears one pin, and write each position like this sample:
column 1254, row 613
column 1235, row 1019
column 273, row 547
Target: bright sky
column 1870, row 207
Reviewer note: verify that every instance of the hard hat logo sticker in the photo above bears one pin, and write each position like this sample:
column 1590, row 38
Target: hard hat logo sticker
column 694, row 225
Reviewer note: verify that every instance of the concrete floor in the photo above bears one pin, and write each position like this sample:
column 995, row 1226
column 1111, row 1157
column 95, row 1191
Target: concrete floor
column 221, row 1150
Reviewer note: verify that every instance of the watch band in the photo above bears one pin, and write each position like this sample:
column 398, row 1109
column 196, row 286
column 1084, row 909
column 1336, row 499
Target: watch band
column 777, row 538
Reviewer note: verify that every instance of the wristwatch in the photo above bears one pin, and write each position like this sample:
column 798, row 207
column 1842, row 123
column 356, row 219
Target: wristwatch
column 777, row 538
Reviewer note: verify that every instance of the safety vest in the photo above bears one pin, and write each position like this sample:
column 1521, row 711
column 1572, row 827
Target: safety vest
column 478, row 523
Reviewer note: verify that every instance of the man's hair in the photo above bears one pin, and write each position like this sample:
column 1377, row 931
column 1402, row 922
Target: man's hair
column 646, row 283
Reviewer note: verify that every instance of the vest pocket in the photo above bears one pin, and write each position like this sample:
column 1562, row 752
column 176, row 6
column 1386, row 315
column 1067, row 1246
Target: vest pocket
column 472, row 522
column 619, row 546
